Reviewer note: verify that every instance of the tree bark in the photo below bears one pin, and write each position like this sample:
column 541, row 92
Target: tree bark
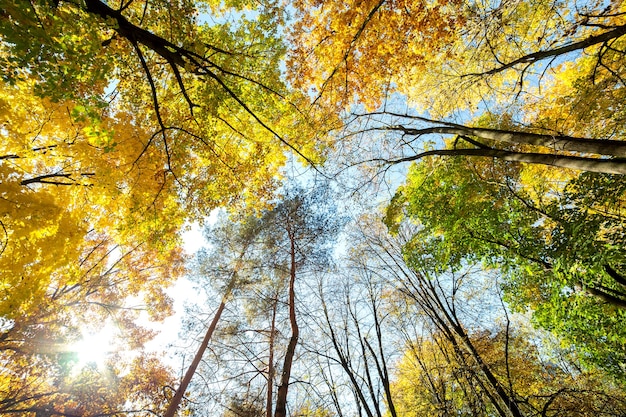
column 605, row 147
column 605, row 296
column 580, row 163
column 281, row 396
column 445, row 314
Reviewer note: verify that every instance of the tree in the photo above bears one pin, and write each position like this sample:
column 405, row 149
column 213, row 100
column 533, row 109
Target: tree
column 451, row 60
column 83, row 240
column 228, row 265
column 238, row 365
column 266, row 254
column 446, row 56
column 304, row 225
column 437, row 298
column 467, row 354
column 212, row 107
column 354, row 314
column 560, row 250
column 430, row 379
column 119, row 124
column 75, row 204
column 513, row 145
column 82, row 125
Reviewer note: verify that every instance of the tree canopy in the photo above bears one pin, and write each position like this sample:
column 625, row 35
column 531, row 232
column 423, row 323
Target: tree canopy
column 520, row 81
column 495, row 284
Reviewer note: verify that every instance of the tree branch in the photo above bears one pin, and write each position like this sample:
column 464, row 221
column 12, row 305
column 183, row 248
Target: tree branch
column 615, row 275
column 44, row 179
column 535, row 57
column 178, row 57
column 608, row 166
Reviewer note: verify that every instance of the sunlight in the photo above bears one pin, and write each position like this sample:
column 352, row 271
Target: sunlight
column 93, row 348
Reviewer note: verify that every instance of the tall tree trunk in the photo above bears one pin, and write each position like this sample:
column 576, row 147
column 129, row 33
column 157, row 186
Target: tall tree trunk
column 445, row 315
column 345, row 364
column 606, row 166
column 270, row 365
column 178, row 396
column 605, row 147
column 381, row 364
column 281, row 397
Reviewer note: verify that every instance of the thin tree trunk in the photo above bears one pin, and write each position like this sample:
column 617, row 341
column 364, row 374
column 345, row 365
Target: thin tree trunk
column 343, row 361
column 371, row 387
column 175, row 402
column 615, row 275
column 381, row 366
column 270, row 366
column 508, row 401
column 281, row 396
column 605, row 296
column 446, row 315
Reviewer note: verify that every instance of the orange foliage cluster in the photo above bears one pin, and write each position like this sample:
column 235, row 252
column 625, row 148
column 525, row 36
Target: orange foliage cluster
column 360, row 48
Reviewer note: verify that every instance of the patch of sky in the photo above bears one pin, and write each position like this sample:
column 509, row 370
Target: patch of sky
column 184, row 292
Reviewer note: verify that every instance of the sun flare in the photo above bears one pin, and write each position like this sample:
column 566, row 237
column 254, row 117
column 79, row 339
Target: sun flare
column 93, row 347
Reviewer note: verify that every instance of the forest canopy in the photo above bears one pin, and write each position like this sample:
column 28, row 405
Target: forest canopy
column 422, row 207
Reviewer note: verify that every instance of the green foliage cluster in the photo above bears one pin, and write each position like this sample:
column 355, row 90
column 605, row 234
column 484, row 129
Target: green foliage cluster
column 562, row 255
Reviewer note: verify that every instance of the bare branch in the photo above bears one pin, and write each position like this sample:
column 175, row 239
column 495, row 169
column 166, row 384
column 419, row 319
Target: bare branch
column 46, row 179
column 535, row 57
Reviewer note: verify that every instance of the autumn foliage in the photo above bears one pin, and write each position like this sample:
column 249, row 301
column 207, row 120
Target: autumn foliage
column 122, row 123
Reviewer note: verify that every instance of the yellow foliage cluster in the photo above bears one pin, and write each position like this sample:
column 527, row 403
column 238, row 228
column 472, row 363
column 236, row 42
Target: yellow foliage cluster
column 84, row 227
column 74, row 203
column 433, row 376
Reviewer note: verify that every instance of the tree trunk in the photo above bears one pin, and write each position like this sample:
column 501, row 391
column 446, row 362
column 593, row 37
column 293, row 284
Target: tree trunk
column 270, row 365
column 444, row 317
column 175, row 402
column 606, row 166
column 381, row 365
column 605, row 147
column 343, row 361
column 508, row 401
column 281, row 397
